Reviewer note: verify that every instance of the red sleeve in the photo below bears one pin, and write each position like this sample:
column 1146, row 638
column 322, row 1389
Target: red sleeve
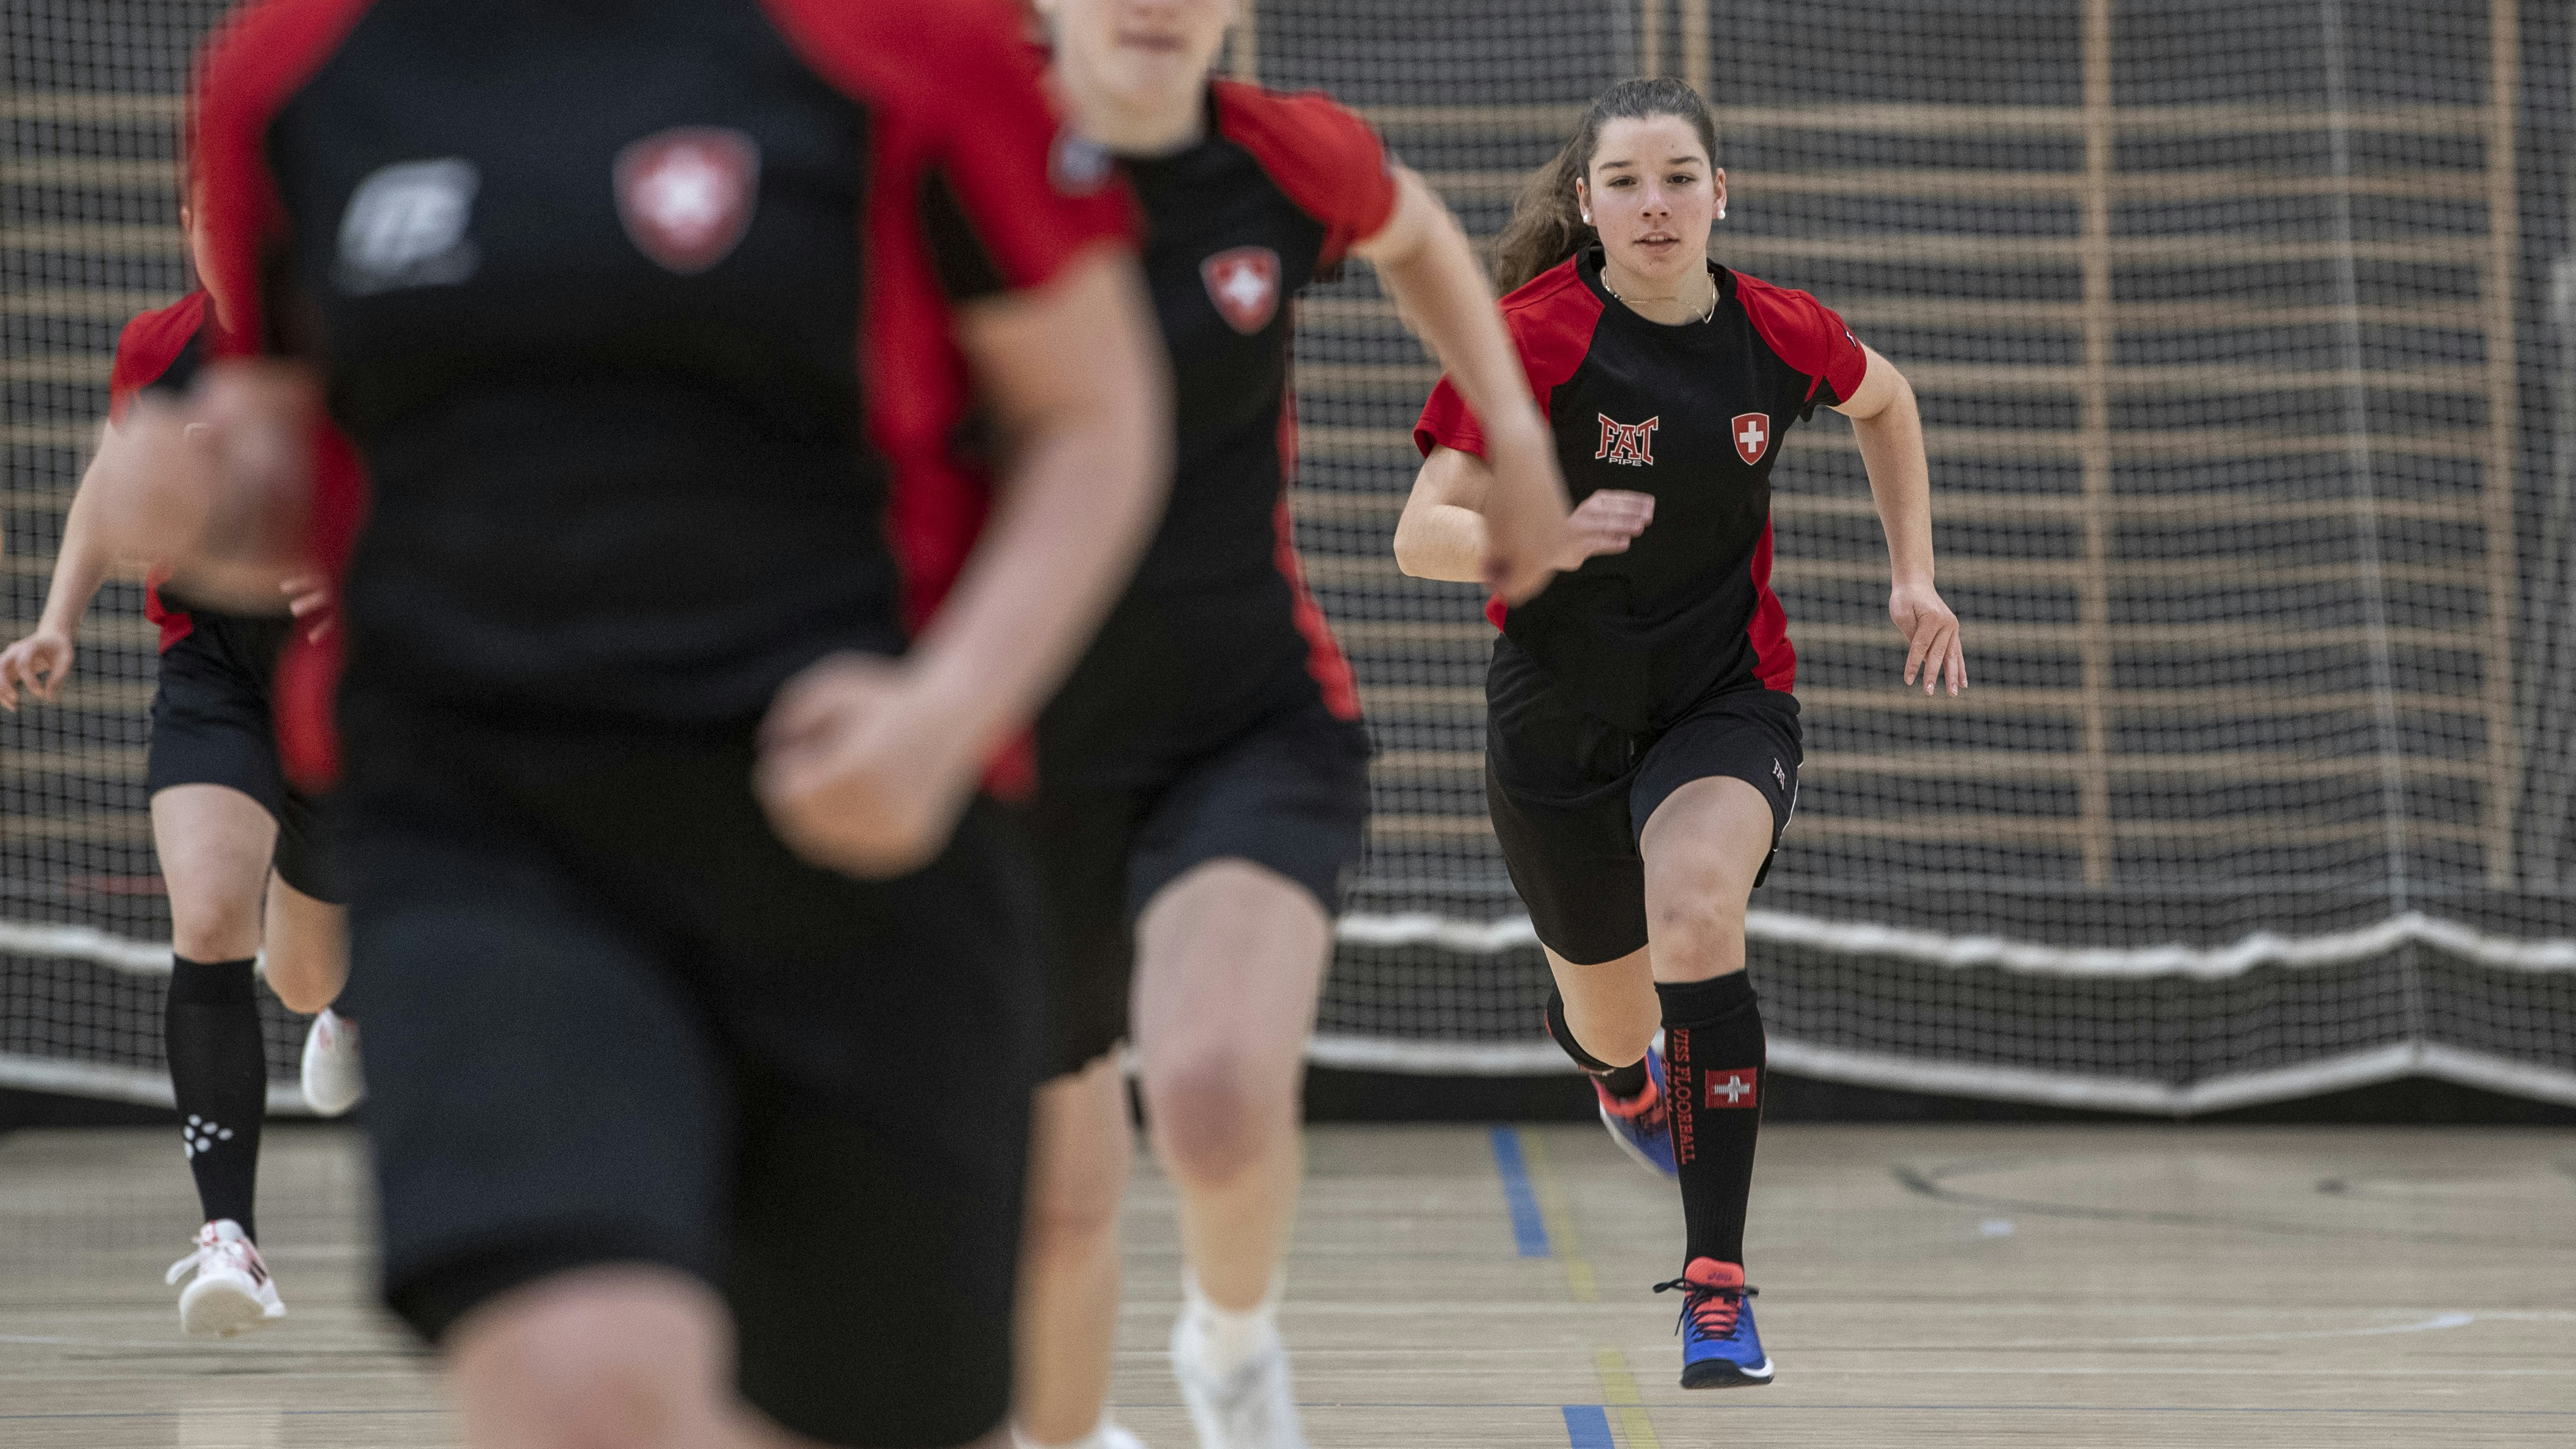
column 1325, row 158
column 1551, row 321
column 1008, row 194
column 1807, row 335
column 147, row 347
column 1447, row 421
column 246, row 74
column 1033, row 192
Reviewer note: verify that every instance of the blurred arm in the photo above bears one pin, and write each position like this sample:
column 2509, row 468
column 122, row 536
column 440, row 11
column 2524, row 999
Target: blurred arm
column 1426, row 263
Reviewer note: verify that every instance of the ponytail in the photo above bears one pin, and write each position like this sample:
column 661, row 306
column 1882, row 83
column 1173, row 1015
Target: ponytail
column 1547, row 224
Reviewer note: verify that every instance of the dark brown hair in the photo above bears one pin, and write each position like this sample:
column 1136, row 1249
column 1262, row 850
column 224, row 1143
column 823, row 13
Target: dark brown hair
column 1547, row 224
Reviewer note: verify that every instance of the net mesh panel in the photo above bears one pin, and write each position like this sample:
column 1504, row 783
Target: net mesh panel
column 2253, row 447
column 2231, row 326
column 89, row 236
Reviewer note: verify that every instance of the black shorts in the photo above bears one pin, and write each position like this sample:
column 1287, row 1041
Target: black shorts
column 1570, row 796
column 211, row 725
column 612, row 1019
column 1291, row 793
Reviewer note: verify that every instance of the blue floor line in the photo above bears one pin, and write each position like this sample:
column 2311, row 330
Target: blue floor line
column 1529, row 1230
column 1587, row 1426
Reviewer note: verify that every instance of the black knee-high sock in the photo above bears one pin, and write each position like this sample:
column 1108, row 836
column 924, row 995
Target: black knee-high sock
column 1713, row 1054
column 1623, row 1082
column 219, row 1074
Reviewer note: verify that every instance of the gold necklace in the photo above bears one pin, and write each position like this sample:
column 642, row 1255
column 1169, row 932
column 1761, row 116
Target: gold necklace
column 1708, row 315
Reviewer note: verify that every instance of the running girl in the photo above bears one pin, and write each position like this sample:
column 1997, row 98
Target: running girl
column 677, row 642
column 1642, row 743
column 1205, row 773
column 241, row 851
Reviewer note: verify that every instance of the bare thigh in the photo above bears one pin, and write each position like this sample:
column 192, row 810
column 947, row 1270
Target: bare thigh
column 1703, row 847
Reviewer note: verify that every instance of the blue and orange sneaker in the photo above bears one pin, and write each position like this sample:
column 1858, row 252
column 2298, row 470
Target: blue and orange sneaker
column 1642, row 1124
column 1720, row 1350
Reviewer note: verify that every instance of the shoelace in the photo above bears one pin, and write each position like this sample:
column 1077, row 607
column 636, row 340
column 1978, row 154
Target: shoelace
column 244, row 1257
column 186, row 1265
column 1712, row 1310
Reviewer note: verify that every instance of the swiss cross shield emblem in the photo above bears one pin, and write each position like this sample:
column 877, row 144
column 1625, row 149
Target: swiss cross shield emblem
column 1737, row 1088
column 1752, row 433
column 686, row 195
column 1244, row 285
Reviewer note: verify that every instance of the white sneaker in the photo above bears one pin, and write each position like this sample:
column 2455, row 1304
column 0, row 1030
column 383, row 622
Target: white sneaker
column 1255, row 1407
column 232, row 1292
column 1110, row 1435
column 333, row 1082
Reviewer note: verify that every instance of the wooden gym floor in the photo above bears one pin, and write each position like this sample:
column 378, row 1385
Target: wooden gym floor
column 1459, row 1286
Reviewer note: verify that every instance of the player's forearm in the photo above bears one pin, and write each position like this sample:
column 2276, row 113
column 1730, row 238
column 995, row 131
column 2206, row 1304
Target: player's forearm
column 1900, row 482
column 1444, row 295
column 81, row 564
column 1441, row 541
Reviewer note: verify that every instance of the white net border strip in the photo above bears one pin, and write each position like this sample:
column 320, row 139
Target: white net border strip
column 2204, row 963
column 1779, row 928
column 1873, row 1069
column 122, row 1084
column 1378, row 1054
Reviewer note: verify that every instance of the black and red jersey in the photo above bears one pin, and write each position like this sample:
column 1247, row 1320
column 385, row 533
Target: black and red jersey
column 159, row 352
column 639, row 318
column 1693, row 414
column 1218, row 623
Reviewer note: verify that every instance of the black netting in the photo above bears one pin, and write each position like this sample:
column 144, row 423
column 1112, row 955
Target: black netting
column 2244, row 333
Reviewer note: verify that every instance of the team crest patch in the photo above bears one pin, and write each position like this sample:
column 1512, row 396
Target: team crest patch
column 406, row 227
column 686, row 195
column 1737, row 1088
column 1752, row 432
column 1630, row 444
column 1244, row 285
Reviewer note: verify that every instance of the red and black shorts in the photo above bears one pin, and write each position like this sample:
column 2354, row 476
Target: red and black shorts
column 211, row 725
column 1570, row 795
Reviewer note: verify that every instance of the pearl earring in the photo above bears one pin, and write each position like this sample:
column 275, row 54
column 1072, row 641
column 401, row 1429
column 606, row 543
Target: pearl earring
column 1721, row 213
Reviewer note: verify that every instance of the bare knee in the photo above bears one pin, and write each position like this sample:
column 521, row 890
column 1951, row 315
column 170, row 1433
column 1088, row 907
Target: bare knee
column 215, row 929
column 1696, row 935
column 1071, row 1216
column 1212, row 1115
column 612, row 1358
column 1080, row 1149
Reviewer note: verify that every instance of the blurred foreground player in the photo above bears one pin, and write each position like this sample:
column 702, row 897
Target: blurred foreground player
column 241, row 851
column 1204, row 774
column 669, row 677
column 1642, row 743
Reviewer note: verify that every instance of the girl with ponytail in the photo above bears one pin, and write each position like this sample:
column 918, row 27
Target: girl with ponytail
column 1643, row 741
